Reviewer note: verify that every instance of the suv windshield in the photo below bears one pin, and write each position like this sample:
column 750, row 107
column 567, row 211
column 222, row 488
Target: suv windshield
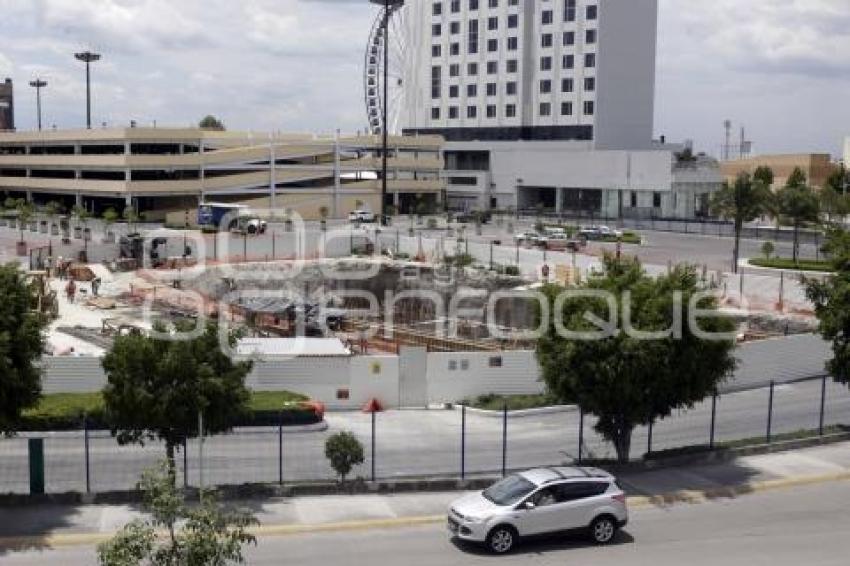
column 509, row 490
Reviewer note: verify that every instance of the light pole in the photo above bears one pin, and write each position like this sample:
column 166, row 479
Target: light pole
column 88, row 58
column 38, row 84
column 387, row 4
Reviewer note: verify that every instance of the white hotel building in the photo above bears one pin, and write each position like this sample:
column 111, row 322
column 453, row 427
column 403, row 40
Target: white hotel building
column 547, row 102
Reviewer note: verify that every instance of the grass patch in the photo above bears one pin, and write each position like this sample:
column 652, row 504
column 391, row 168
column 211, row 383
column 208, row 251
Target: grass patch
column 273, row 400
column 786, row 263
column 514, row 402
column 628, row 238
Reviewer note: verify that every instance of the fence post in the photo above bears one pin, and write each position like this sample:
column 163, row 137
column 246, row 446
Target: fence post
column 280, row 449
column 35, row 451
column 580, row 433
column 504, row 439
column 200, row 453
column 463, row 442
column 649, row 437
column 781, row 291
column 373, row 445
column 274, row 256
column 245, row 246
column 770, row 412
column 215, row 246
column 491, row 255
column 86, row 445
column 741, row 286
column 397, row 242
column 822, row 404
column 186, row 461
column 713, row 420
column 517, row 253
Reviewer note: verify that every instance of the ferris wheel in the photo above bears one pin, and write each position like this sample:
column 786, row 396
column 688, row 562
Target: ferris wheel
column 392, row 13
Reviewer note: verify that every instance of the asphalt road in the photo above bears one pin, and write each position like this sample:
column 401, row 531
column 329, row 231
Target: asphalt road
column 414, row 443
column 805, row 525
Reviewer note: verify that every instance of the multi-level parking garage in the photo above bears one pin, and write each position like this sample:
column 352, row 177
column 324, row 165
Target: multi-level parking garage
column 161, row 170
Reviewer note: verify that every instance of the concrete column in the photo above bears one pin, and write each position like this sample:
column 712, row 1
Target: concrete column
column 335, row 198
column 29, row 196
column 78, row 199
column 559, row 200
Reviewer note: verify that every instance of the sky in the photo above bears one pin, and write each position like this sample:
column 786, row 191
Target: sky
column 780, row 68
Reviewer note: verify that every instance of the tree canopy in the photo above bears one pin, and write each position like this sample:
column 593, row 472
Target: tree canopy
column 627, row 380
column 21, row 346
column 742, row 202
column 156, row 387
column 797, row 204
column 210, row 122
column 831, row 297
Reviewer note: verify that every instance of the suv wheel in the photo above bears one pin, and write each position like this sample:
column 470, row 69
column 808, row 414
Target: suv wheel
column 501, row 539
column 603, row 529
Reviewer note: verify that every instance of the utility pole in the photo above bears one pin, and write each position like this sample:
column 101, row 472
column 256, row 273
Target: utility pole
column 38, row 84
column 88, row 58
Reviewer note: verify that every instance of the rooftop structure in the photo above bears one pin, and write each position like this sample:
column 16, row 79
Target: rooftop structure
column 7, row 105
column 816, row 166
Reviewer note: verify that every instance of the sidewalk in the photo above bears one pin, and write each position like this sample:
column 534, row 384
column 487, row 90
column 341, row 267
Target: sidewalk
column 50, row 525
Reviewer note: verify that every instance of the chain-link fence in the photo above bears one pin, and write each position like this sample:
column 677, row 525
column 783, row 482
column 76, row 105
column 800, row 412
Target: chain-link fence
column 459, row 442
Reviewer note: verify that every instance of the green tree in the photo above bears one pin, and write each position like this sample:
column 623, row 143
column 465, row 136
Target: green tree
column 110, row 216
column 744, row 201
column 21, row 345
column 831, row 297
column 833, row 196
column 797, row 205
column 767, row 249
column 624, row 379
column 764, row 174
column 343, row 451
column 131, row 216
column 210, row 122
column 205, row 535
column 157, row 386
column 25, row 210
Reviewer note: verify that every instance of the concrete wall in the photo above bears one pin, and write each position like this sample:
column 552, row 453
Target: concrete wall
column 473, row 375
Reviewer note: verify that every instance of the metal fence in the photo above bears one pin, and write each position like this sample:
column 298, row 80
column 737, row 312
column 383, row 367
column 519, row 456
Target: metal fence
column 460, row 442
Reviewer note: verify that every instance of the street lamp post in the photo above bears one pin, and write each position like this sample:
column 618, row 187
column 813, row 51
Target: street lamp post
column 88, row 58
column 38, row 84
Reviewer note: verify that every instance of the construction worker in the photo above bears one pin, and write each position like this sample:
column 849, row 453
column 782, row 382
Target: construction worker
column 70, row 290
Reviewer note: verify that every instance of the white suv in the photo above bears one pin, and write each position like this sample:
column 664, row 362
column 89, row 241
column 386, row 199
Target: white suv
column 541, row 501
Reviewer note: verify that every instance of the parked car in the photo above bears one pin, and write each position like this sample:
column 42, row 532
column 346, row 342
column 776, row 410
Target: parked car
column 599, row 233
column 527, row 237
column 361, row 216
column 468, row 217
column 541, row 501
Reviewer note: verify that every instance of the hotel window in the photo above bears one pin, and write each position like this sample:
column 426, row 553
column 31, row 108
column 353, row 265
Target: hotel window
column 491, row 110
column 472, row 90
column 437, row 8
column 454, row 91
column 472, row 46
column 633, row 200
column 436, row 51
column 513, row 2
column 435, row 113
column 435, row 81
column 545, row 86
column 471, row 111
column 454, row 28
column 566, row 109
column 510, row 111
column 656, row 200
column 493, row 3
column 590, row 60
column 491, row 89
column 464, row 365
column 436, row 30
column 473, row 4
column 513, row 21
column 567, row 85
column 590, row 36
column 492, row 67
column 511, row 65
column 546, row 40
column 454, row 70
column 589, row 84
column 495, row 362
column 592, row 12
column 512, row 44
column 454, row 49
column 546, row 63
column 492, row 45
column 547, row 17
column 493, row 23
column 568, row 61
column 452, row 365
column 453, row 112
column 472, row 69
column 455, row 6
column 569, row 38
column 510, row 88
column 589, row 108
column 569, row 10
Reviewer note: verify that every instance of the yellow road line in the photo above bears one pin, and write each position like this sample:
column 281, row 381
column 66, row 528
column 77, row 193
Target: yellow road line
column 634, row 502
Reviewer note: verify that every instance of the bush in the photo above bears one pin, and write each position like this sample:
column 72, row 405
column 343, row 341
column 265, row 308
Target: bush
column 432, row 224
column 512, row 270
column 343, row 451
column 787, row 263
